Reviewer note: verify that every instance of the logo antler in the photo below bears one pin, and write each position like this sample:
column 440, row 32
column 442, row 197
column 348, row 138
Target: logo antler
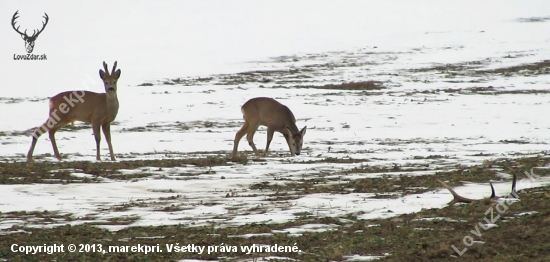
column 13, row 24
column 29, row 40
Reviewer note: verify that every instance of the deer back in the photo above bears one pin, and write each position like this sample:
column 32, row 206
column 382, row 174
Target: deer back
column 271, row 113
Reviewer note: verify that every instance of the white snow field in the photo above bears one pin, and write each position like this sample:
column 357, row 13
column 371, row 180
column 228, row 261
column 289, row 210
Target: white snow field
column 188, row 66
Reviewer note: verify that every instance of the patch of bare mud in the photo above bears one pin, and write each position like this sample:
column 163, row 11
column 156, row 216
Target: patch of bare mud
column 328, row 71
column 73, row 127
column 531, row 69
column 534, row 19
column 427, row 235
column 453, row 69
column 473, row 68
column 13, row 100
column 298, row 70
column 482, row 90
column 361, row 86
column 210, row 126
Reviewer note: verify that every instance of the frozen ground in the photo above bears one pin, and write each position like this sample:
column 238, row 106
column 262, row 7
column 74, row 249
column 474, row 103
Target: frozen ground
column 450, row 91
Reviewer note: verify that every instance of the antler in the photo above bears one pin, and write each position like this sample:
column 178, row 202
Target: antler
column 513, row 194
column 13, row 24
column 35, row 34
column 106, row 69
column 460, row 199
column 114, row 68
column 43, row 26
column 456, row 197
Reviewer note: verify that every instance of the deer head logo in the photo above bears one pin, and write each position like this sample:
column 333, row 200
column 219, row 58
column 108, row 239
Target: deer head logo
column 29, row 40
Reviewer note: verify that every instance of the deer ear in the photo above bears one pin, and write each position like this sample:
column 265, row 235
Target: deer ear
column 303, row 131
column 289, row 132
column 117, row 73
column 102, row 74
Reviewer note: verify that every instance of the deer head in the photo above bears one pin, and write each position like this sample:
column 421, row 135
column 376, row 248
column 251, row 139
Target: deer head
column 296, row 140
column 29, row 40
column 109, row 79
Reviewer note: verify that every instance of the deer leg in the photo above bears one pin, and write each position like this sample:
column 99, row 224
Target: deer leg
column 107, row 133
column 97, row 135
column 238, row 136
column 31, row 150
column 35, row 135
column 53, row 127
column 252, row 127
column 54, row 144
column 270, row 132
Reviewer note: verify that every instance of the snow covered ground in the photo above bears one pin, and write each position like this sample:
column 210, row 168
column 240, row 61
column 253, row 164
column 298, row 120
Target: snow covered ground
column 429, row 55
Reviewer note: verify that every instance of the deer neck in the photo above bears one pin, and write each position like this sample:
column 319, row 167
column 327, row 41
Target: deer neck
column 293, row 128
column 112, row 104
column 290, row 121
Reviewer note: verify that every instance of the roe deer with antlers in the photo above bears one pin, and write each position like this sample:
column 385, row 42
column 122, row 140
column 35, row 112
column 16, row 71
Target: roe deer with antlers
column 276, row 117
column 99, row 109
column 493, row 198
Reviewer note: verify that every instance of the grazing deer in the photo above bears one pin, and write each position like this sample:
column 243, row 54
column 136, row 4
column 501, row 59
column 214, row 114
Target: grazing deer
column 99, row 109
column 276, row 117
column 493, row 198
